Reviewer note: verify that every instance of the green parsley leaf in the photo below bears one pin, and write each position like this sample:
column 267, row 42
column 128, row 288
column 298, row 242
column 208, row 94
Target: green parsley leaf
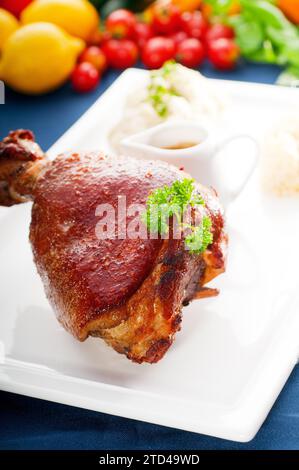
column 173, row 201
column 160, row 88
column 200, row 237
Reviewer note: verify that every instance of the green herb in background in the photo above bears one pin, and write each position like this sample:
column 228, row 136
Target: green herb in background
column 263, row 33
column 172, row 201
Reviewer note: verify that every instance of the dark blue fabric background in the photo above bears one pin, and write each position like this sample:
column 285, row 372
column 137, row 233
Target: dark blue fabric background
column 27, row 423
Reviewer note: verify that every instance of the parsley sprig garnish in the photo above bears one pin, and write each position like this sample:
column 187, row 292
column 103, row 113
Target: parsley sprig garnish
column 160, row 89
column 200, row 237
column 173, row 201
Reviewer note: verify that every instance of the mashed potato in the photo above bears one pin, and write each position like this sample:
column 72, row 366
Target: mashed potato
column 280, row 157
column 172, row 92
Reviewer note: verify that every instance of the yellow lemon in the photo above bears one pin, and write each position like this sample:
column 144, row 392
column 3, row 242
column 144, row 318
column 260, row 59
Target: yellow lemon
column 8, row 24
column 38, row 57
column 77, row 17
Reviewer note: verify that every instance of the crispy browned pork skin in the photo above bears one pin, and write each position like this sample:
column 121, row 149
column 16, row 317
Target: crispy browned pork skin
column 130, row 292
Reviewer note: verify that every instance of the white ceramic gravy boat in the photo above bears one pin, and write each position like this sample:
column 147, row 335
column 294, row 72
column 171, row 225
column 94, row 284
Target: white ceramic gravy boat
column 199, row 160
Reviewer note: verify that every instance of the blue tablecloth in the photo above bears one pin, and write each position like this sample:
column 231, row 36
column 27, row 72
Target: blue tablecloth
column 27, row 423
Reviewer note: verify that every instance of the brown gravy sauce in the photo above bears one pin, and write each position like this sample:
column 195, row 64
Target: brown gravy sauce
column 181, row 145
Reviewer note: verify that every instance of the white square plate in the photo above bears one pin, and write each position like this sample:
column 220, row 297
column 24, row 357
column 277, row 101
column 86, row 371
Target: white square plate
column 234, row 353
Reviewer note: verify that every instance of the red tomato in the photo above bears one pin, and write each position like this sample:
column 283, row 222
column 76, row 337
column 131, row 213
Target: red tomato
column 223, row 53
column 95, row 56
column 142, row 33
column 190, row 52
column 120, row 54
column 178, row 37
column 157, row 51
column 14, row 6
column 194, row 24
column 85, row 77
column 166, row 19
column 120, row 23
column 218, row 30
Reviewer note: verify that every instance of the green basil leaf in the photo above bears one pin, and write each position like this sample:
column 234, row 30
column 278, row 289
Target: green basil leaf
column 266, row 12
column 291, row 51
column 281, row 37
column 249, row 33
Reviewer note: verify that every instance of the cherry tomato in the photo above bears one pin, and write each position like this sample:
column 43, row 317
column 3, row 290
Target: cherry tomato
column 190, row 52
column 85, row 77
column 218, row 30
column 194, row 24
column 95, row 56
column 223, row 53
column 157, row 51
column 178, row 37
column 120, row 23
column 14, row 6
column 142, row 33
column 120, row 54
column 166, row 18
